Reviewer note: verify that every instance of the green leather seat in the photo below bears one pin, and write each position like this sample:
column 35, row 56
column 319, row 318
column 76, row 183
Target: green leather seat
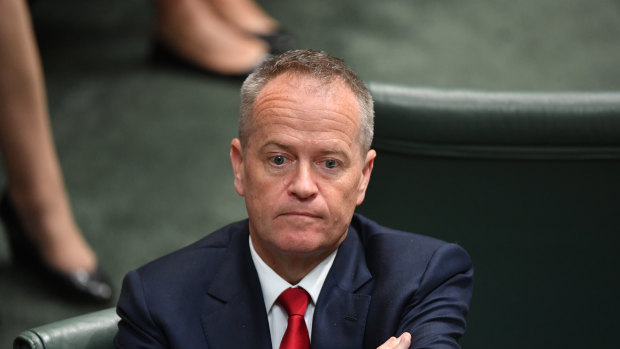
column 91, row 331
column 529, row 184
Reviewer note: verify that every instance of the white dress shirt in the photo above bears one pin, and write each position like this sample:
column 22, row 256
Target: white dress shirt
column 273, row 285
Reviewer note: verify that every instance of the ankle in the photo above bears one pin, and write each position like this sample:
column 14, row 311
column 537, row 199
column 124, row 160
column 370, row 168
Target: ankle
column 49, row 225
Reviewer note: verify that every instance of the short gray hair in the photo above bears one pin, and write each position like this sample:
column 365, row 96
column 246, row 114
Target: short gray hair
column 318, row 65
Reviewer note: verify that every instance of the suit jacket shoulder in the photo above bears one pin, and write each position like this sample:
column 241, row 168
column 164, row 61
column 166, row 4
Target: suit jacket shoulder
column 169, row 267
column 205, row 295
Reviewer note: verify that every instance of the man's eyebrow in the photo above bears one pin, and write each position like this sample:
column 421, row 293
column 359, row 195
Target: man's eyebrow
column 275, row 144
column 335, row 150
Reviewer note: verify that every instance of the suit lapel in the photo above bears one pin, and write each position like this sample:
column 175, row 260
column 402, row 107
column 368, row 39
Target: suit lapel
column 342, row 307
column 234, row 315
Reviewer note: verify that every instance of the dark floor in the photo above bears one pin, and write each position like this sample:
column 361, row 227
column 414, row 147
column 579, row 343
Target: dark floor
column 145, row 148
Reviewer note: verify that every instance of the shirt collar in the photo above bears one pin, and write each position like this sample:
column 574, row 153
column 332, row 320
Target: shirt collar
column 273, row 284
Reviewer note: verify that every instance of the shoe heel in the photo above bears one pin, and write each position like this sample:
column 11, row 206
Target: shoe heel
column 23, row 251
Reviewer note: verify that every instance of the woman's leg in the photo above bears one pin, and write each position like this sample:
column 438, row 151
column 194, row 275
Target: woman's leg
column 35, row 183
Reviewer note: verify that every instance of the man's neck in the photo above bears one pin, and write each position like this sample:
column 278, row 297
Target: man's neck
column 292, row 267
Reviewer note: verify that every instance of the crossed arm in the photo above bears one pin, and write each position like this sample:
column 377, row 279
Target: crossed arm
column 435, row 316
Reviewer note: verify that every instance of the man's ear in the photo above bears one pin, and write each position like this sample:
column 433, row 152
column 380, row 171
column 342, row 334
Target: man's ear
column 236, row 159
column 369, row 163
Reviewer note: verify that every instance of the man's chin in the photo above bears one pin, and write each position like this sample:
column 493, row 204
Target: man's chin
column 300, row 240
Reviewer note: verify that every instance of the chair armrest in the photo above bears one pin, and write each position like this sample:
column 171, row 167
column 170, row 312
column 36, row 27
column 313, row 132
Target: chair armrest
column 90, row 331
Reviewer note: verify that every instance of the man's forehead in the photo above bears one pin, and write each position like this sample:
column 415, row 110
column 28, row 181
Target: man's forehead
column 305, row 104
column 306, row 97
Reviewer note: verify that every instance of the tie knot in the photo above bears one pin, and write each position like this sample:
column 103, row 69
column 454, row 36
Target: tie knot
column 294, row 301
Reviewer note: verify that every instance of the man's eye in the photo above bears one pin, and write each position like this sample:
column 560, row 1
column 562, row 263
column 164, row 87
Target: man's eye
column 330, row 163
column 278, row 160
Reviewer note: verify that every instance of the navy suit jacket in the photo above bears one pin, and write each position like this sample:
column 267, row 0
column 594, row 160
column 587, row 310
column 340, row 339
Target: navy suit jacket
column 382, row 282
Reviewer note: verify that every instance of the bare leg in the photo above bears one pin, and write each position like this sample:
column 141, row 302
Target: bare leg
column 35, row 180
column 193, row 29
column 246, row 15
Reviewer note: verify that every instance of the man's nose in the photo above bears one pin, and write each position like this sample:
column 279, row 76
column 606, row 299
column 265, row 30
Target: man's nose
column 303, row 185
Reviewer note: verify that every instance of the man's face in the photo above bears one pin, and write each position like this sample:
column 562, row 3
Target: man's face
column 302, row 170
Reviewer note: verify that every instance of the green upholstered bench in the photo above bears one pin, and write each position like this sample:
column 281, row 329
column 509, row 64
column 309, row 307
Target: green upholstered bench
column 529, row 184
column 91, row 331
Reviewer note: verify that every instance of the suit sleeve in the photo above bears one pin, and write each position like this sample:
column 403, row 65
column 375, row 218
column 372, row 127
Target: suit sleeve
column 435, row 317
column 136, row 329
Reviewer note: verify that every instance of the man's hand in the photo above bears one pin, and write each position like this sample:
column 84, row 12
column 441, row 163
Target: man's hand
column 402, row 342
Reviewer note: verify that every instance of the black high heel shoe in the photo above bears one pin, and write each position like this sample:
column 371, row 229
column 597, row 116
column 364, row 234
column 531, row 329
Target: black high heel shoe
column 279, row 41
column 79, row 284
column 162, row 55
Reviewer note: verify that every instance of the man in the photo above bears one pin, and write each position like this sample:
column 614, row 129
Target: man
column 302, row 162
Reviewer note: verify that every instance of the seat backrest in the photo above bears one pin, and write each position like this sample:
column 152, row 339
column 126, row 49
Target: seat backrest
column 91, row 331
column 529, row 184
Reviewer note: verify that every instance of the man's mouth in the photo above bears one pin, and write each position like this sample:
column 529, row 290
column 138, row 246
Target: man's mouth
column 300, row 214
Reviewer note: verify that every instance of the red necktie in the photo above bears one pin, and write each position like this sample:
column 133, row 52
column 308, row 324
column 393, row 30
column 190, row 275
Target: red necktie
column 295, row 301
